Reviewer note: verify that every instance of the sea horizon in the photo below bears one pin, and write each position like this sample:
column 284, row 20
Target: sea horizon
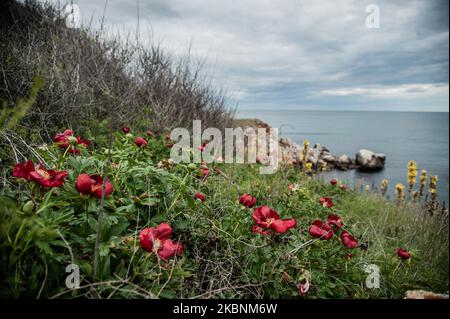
column 321, row 110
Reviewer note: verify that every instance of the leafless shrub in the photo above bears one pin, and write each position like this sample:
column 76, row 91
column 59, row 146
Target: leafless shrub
column 87, row 75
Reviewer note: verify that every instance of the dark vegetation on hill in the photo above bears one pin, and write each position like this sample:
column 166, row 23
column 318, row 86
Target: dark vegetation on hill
column 87, row 76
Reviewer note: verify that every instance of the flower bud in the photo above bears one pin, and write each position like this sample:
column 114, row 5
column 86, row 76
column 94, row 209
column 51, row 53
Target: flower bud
column 28, row 207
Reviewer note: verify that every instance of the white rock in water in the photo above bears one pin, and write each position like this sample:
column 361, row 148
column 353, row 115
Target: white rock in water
column 344, row 162
column 369, row 160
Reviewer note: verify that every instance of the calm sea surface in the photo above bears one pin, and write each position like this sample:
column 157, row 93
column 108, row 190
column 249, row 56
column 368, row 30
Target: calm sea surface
column 402, row 136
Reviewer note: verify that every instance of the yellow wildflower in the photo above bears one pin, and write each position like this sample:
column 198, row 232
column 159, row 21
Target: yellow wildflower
column 412, row 174
column 423, row 181
column 384, row 186
column 399, row 188
column 305, row 152
column 308, row 167
column 433, row 187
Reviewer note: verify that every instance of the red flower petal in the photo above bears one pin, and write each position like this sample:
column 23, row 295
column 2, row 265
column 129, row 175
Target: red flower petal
column 68, row 133
column 140, row 142
column 247, row 200
column 83, row 184
column 169, row 249
column 98, row 187
column 278, row 226
column 259, row 230
column 335, row 220
column 319, row 229
column 23, row 170
column 290, row 223
column 348, row 240
column 82, row 142
column 163, row 231
column 48, row 178
column 326, row 202
column 403, row 254
column 304, row 287
column 146, row 238
column 200, row 196
column 263, row 216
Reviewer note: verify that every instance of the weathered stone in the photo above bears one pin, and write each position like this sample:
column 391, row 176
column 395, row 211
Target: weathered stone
column 329, row 158
column 344, row 162
column 322, row 149
column 313, row 156
column 369, row 160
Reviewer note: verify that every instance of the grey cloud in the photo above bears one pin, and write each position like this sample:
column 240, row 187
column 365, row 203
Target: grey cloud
column 284, row 53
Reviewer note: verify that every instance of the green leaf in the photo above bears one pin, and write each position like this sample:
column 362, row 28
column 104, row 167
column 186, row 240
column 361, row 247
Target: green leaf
column 44, row 246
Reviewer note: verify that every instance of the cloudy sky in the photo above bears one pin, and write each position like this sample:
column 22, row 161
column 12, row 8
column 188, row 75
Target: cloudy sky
column 297, row 54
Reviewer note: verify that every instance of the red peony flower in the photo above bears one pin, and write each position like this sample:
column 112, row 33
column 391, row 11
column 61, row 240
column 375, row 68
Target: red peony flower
column 344, row 187
column 169, row 145
column 126, row 130
column 348, row 240
column 202, row 172
column 169, row 249
column 319, row 229
column 403, row 254
column 140, row 142
column 83, row 184
column 304, row 287
column 334, row 182
column 247, row 200
column 326, row 202
column 23, row 170
column 48, row 178
column 205, row 171
column 62, row 138
column 156, row 239
column 82, row 142
column 269, row 218
column 200, row 196
column 66, row 139
column 93, row 185
column 335, row 220
column 259, row 230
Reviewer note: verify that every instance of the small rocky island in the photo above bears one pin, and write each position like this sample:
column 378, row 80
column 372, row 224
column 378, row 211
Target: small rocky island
column 364, row 160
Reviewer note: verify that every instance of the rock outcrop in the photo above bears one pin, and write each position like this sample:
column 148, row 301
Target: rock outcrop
column 369, row 161
column 290, row 153
column 344, row 163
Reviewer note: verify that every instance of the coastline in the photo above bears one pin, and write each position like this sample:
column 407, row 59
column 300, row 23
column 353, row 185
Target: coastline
column 319, row 156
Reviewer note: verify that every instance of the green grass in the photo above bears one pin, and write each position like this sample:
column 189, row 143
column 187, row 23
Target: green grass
column 221, row 257
column 383, row 225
